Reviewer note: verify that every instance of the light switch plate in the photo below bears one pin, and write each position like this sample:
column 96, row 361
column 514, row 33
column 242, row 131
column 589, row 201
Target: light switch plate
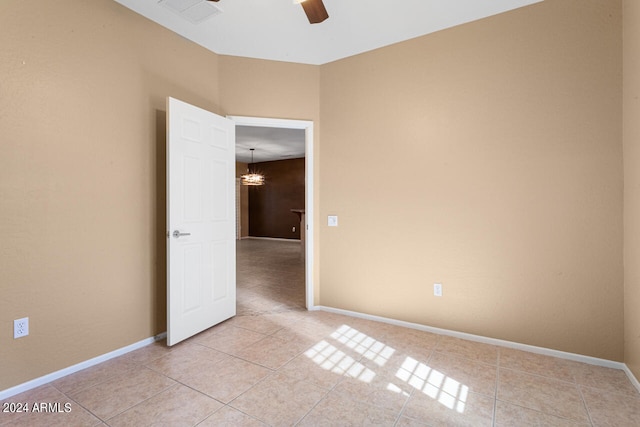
column 332, row 221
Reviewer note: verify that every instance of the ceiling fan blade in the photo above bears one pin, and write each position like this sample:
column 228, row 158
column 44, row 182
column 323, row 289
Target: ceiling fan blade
column 315, row 11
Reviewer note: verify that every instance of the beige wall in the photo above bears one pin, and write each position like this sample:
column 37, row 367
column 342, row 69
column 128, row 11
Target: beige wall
column 82, row 155
column 631, row 135
column 513, row 121
column 493, row 152
column 83, row 87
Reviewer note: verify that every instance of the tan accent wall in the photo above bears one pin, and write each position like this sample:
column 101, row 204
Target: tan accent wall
column 488, row 158
column 82, row 177
column 270, row 204
column 631, row 132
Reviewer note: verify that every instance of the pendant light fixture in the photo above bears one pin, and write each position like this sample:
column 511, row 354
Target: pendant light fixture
column 252, row 178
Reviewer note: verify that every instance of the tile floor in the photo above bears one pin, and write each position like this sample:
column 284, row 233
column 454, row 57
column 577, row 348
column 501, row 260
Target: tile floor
column 276, row 364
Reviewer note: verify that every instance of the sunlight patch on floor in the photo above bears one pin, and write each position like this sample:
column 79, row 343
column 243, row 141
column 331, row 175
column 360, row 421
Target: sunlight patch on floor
column 331, row 359
column 433, row 383
column 363, row 344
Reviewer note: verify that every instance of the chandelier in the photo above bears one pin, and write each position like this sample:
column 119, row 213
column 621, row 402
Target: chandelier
column 252, row 177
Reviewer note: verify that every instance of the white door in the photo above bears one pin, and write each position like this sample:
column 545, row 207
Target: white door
column 201, row 257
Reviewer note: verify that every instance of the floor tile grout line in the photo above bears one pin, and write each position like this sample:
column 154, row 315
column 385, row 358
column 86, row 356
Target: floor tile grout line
column 109, row 378
column 274, row 372
column 226, row 358
column 533, row 374
column 260, row 381
column 614, row 392
column 78, row 403
column 458, row 356
column 249, row 415
column 543, row 412
column 327, row 392
column 312, row 408
column 144, row 400
column 70, row 397
column 404, row 405
column 586, row 406
column 496, row 385
column 205, row 395
column 538, row 410
column 265, row 366
column 462, row 356
column 106, row 421
column 572, row 381
column 228, row 406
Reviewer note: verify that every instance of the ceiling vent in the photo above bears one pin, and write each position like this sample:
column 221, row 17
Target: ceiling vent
column 194, row 11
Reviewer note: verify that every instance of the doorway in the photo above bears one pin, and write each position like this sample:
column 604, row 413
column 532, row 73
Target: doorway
column 307, row 126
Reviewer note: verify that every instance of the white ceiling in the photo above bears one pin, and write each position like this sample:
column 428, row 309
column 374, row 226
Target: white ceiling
column 269, row 143
column 279, row 29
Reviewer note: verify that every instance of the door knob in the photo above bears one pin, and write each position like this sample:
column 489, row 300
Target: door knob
column 177, row 234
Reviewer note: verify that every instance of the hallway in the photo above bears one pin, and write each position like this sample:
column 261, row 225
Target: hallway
column 270, row 276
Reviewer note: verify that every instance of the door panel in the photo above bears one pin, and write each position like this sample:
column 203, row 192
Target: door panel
column 201, row 278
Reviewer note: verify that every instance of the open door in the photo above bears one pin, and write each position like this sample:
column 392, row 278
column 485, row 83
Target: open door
column 201, row 247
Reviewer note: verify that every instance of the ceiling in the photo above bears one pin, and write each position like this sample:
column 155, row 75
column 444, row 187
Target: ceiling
column 269, row 143
column 279, row 29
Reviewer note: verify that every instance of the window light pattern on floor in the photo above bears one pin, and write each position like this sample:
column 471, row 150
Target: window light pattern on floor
column 435, row 384
column 331, row 359
column 363, row 344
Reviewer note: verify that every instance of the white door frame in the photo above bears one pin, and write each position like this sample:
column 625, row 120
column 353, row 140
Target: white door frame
column 307, row 125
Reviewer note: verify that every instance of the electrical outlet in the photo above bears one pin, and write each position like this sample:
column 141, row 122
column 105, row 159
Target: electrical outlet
column 21, row 327
column 437, row 289
column 293, row 229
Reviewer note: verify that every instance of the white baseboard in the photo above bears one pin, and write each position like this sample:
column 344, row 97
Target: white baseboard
column 275, row 239
column 632, row 377
column 4, row 394
column 493, row 341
